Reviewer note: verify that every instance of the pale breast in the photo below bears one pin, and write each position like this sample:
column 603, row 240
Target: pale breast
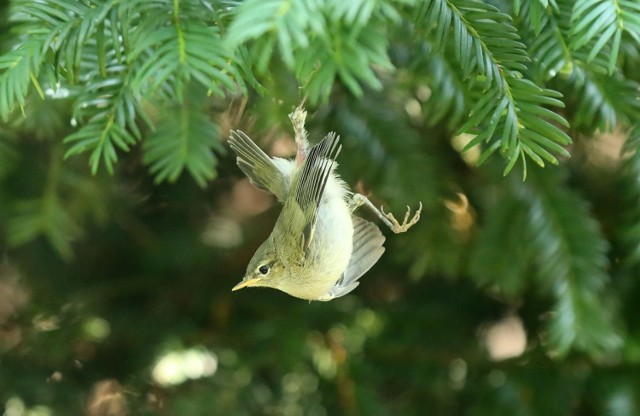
column 329, row 253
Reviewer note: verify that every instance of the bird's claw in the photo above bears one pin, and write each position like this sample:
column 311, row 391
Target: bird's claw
column 398, row 228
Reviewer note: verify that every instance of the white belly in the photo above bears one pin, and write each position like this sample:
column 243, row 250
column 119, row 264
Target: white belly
column 330, row 250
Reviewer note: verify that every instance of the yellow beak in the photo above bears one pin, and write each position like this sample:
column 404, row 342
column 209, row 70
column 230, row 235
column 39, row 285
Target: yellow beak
column 246, row 283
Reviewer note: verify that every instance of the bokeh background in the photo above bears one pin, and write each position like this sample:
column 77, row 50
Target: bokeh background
column 124, row 221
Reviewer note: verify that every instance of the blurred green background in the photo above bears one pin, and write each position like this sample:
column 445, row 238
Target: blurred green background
column 124, row 221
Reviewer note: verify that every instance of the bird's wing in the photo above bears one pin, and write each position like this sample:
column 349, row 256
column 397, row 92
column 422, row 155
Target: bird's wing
column 309, row 186
column 367, row 248
column 258, row 167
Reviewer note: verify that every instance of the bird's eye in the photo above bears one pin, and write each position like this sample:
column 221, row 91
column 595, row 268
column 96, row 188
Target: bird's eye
column 264, row 269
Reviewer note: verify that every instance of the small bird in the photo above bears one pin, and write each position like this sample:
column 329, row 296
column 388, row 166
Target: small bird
column 318, row 249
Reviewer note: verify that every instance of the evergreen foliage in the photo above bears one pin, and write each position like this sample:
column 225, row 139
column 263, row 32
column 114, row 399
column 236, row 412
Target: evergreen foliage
column 107, row 267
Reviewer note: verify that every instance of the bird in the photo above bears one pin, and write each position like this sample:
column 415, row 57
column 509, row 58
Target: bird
column 319, row 248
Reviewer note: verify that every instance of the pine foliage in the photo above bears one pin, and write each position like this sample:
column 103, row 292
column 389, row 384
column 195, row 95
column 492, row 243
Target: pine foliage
column 19, row 69
column 510, row 115
column 191, row 136
column 437, row 101
column 152, row 49
column 629, row 227
column 571, row 262
column 604, row 21
column 108, row 113
column 548, row 230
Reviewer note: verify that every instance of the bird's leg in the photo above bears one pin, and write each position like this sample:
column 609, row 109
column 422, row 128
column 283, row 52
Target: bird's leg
column 298, row 118
column 388, row 218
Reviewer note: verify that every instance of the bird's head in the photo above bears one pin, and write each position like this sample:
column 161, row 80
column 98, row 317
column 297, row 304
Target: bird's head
column 265, row 268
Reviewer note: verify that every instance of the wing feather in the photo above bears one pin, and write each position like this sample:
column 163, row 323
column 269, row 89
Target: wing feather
column 316, row 172
column 314, row 176
column 258, row 167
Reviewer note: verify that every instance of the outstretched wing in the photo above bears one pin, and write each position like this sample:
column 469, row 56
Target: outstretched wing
column 310, row 186
column 258, row 167
column 367, row 249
